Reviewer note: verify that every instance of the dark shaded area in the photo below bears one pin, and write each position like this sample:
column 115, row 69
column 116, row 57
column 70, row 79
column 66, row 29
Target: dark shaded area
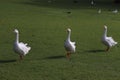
column 71, row 4
column 95, row 51
column 7, row 61
column 55, row 57
column 117, row 1
column 75, row 1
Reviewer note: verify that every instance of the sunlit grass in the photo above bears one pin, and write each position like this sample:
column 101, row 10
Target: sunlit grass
column 43, row 26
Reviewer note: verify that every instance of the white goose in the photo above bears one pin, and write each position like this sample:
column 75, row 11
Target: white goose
column 19, row 47
column 69, row 46
column 108, row 41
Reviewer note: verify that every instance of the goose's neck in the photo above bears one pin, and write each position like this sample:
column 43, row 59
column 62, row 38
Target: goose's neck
column 105, row 33
column 17, row 38
column 69, row 34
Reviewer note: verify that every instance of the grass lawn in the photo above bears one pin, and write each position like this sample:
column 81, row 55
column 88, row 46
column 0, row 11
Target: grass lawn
column 43, row 25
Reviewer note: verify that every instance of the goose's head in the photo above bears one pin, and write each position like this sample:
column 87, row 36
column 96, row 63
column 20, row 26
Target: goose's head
column 105, row 27
column 16, row 31
column 68, row 30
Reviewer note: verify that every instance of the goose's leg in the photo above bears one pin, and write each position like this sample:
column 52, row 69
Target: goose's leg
column 21, row 57
column 107, row 48
column 68, row 55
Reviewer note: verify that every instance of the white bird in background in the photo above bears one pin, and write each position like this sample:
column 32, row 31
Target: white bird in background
column 115, row 11
column 99, row 11
column 19, row 47
column 92, row 2
column 69, row 46
column 108, row 41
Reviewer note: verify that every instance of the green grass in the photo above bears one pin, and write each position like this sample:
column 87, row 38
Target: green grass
column 43, row 26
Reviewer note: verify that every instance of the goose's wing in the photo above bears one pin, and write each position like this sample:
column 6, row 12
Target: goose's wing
column 74, row 43
column 24, row 47
column 70, row 46
column 111, row 41
column 23, row 43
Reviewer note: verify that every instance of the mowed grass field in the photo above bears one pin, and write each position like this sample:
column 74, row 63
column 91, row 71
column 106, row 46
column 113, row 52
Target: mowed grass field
column 43, row 25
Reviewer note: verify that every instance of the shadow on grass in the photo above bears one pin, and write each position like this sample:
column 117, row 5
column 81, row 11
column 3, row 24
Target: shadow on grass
column 95, row 51
column 7, row 61
column 55, row 57
column 69, row 4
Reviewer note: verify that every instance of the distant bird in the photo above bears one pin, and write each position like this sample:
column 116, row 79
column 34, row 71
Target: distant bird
column 108, row 41
column 115, row 11
column 19, row 47
column 69, row 46
column 92, row 2
column 99, row 11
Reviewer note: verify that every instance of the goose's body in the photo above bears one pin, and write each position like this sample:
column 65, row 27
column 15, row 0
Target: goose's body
column 19, row 47
column 69, row 45
column 108, row 41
